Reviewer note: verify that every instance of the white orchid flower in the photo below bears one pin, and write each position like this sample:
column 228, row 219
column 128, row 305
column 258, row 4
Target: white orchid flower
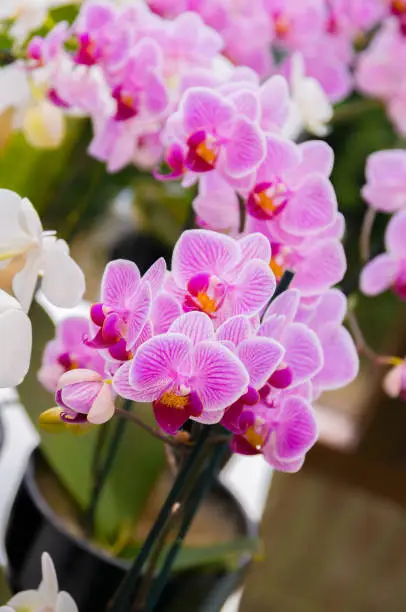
column 15, row 341
column 27, row 15
column 23, row 241
column 42, row 123
column 46, row 598
column 310, row 107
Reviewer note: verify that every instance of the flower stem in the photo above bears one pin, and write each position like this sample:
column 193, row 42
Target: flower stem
column 129, row 416
column 199, row 491
column 352, row 110
column 365, row 236
column 281, row 288
column 125, row 595
column 102, row 469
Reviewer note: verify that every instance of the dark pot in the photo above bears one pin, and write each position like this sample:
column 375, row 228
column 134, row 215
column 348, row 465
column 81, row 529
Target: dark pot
column 92, row 576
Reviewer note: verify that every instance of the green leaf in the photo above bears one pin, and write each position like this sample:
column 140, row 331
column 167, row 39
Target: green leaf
column 139, row 461
column 226, row 554
column 5, row 592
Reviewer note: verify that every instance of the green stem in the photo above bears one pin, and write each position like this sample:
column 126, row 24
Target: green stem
column 352, row 110
column 125, row 595
column 201, row 488
column 103, row 470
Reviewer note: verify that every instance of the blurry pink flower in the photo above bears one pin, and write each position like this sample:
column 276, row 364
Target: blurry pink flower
column 185, row 373
column 68, row 352
column 388, row 270
column 385, row 188
column 85, row 396
column 221, row 276
column 394, row 382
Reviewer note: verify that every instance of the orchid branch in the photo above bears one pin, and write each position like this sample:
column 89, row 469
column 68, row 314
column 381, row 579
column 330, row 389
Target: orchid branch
column 365, row 236
column 130, row 416
column 364, row 348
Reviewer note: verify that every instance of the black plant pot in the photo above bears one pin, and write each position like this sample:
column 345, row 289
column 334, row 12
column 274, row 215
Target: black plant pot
column 92, row 576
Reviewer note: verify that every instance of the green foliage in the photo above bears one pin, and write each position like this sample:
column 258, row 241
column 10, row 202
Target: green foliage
column 139, row 461
column 226, row 554
column 5, row 592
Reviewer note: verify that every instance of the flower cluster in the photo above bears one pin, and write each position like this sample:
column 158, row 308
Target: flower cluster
column 385, row 191
column 27, row 253
column 199, row 343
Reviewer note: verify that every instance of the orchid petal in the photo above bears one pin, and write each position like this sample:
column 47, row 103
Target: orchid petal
column 205, row 109
column 311, row 208
column 253, row 289
column 165, row 309
column 297, row 430
column 260, row 356
column 63, row 281
column 378, row 274
column 303, row 352
column 246, row 149
column 120, row 281
column 15, row 342
column 341, row 362
column 139, row 307
column 197, row 326
column 234, row 330
column 395, row 236
column 103, row 407
column 155, row 276
column 323, row 267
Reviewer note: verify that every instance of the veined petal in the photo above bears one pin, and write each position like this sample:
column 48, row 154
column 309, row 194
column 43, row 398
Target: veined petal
column 311, row 208
column 246, row 149
column 205, row 109
column 169, row 419
column 155, row 275
column 15, row 343
column 253, row 289
column 197, row 326
column 78, row 375
column 281, row 156
column 158, row 361
column 261, row 357
column 303, row 352
column 285, row 304
column 203, row 251
column 317, row 156
column 220, row 377
column 235, row 330
column 120, row 281
column 63, row 281
column 122, row 385
column 139, row 307
column 165, row 309
column 255, row 246
column 323, row 267
column 80, row 396
column 297, row 430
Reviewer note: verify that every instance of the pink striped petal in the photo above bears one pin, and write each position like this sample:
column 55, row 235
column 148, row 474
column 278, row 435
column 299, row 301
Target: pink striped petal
column 253, row 289
column 165, row 309
column 77, row 376
column 273, row 327
column 120, row 281
column 247, row 103
column 322, row 267
column 285, row 304
column 209, row 418
column 303, row 352
column 234, row 330
column 255, row 246
column 281, row 156
column 197, row 326
column 203, row 251
column 204, row 109
column 246, row 149
column 311, row 208
column 297, row 430
column 80, row 396
column 317, row 156
column 157, row 362
column 122, row 386
column 220, row 377
column 72, row 330
column 139, row 307
column 261, row 357
column 155, row 276
column 379, row 274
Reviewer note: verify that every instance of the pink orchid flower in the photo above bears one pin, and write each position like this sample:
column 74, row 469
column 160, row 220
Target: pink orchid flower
column 125, row 304
column 282, row 430
column 68, row 352
column 385, row 189
column 221, row 276
column 292, row 189
column 394, row 382
column 186, row 373
column 388, row 270
column 212, row 133
column 85, row 396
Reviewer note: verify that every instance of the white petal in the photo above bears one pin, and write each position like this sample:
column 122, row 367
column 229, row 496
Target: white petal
column 27, row 600
column 15, row 347
column 103, row 406
column 8, row 302
column 15, row 91
column 63, row 282
column 65, row 603
column 12, row 235
column 49, row 585
column 30, row 220
column 24, row 282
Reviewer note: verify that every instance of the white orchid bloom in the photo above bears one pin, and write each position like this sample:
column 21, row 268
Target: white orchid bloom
column 22, row 240
column 27, row 15
column 15, row 341
column 42, row 123
column 46, row 598
column 310, row 107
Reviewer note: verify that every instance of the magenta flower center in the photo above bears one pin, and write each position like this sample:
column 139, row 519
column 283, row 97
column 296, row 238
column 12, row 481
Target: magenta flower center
column 399, row 286
column 127, row 105
column 88, row 54
column 202, row 153
column 206, row 294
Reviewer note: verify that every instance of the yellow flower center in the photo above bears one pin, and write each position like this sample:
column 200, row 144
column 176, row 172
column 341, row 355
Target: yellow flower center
column 175, row 401
column 254, row 438
column 265, row 201
column 276, row 268
column 282, row 25
column 206, row 303
column 205, row 152
column 399, row 6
